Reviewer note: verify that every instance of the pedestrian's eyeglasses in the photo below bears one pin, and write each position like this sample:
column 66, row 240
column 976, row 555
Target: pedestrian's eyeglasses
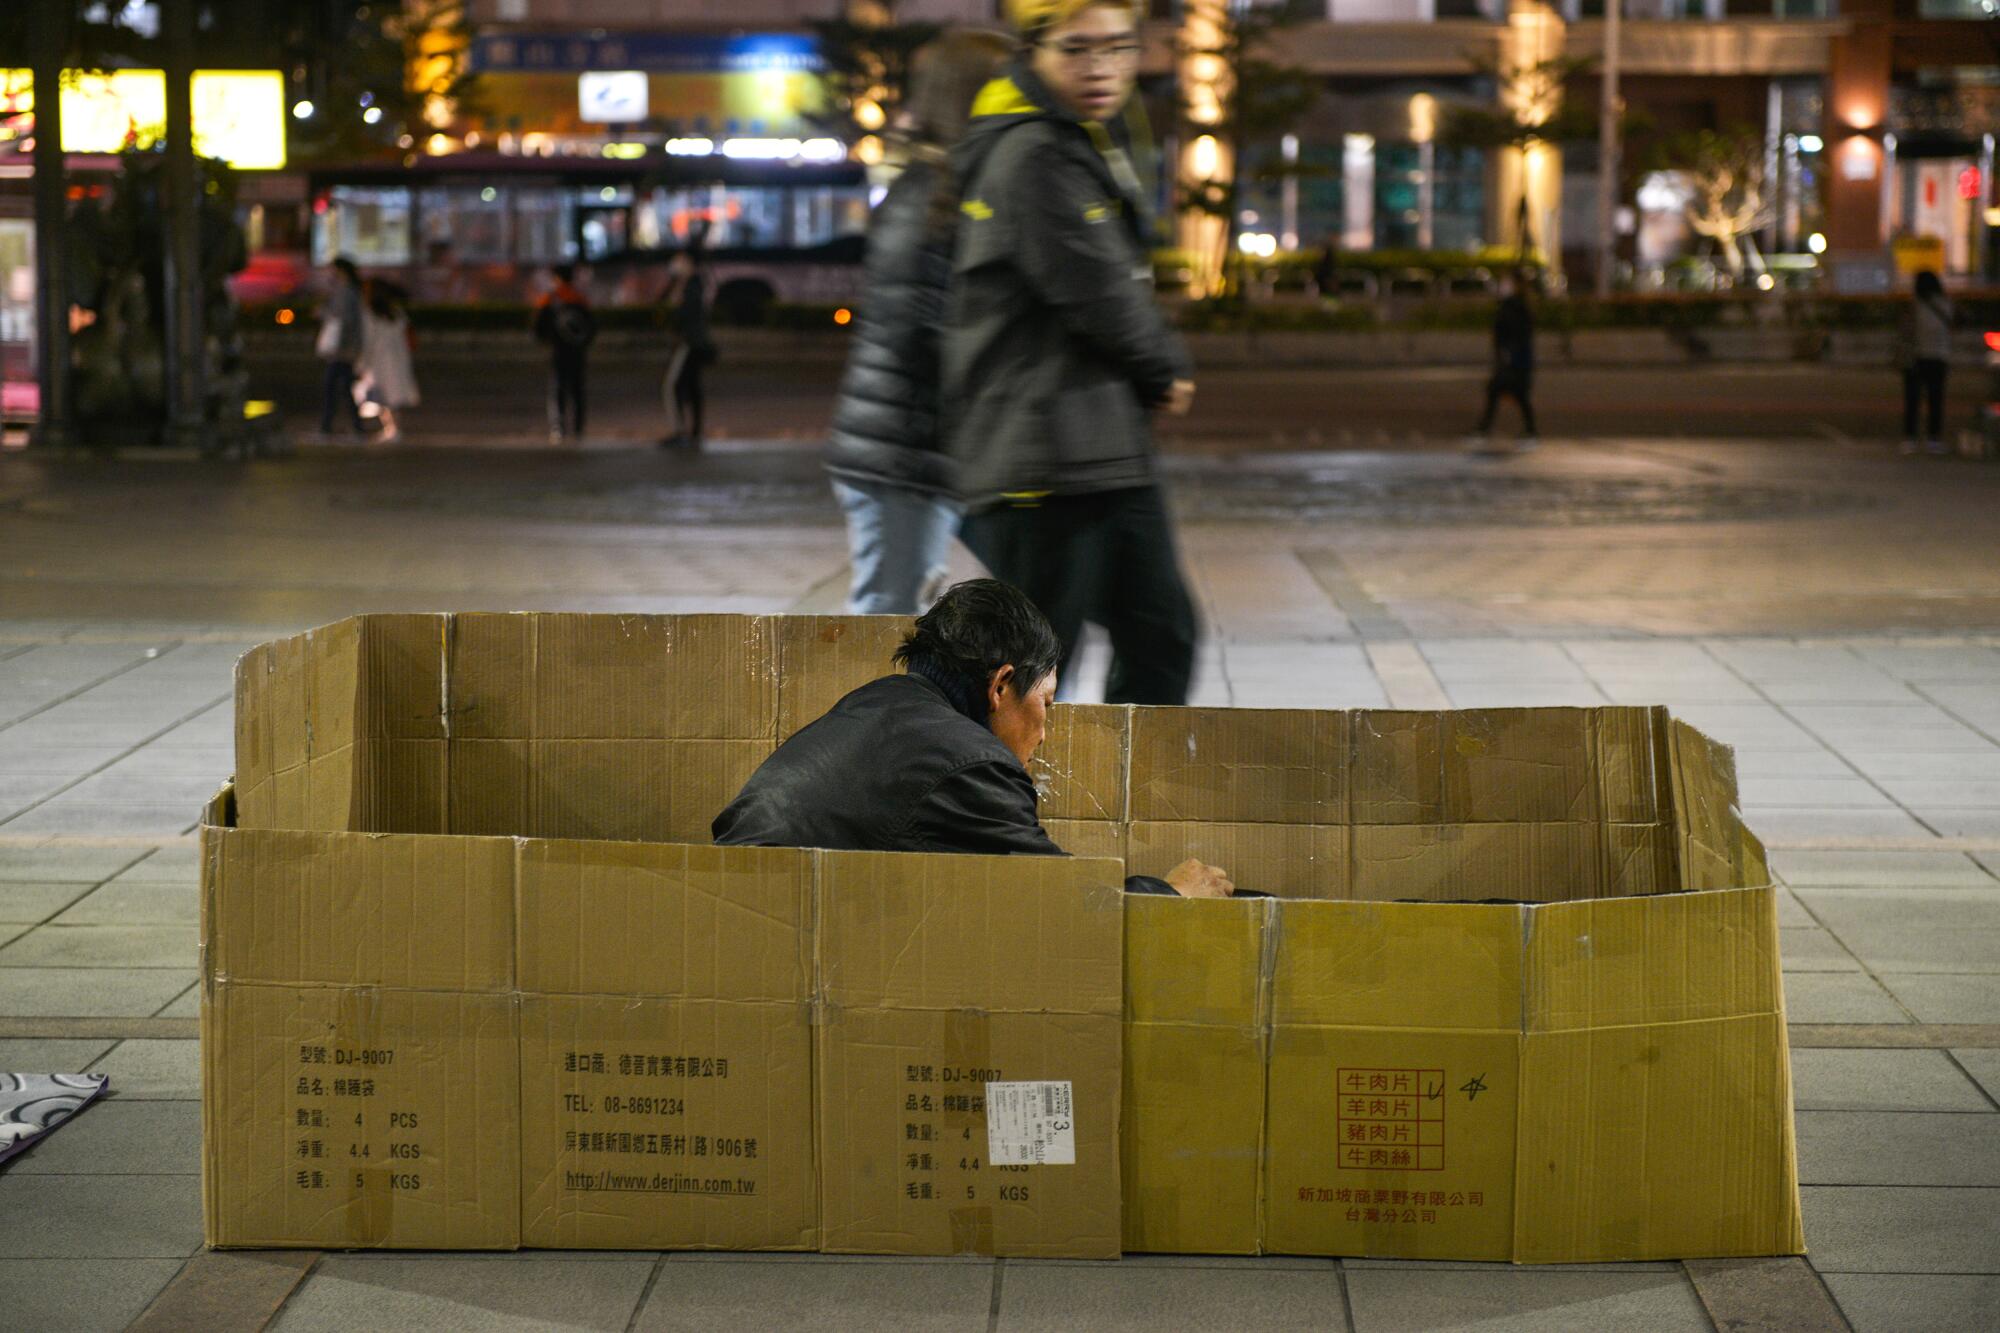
column 1122, row 52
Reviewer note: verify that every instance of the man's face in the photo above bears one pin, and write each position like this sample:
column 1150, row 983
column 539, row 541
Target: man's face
column 1019, row 719
column 1091, row 62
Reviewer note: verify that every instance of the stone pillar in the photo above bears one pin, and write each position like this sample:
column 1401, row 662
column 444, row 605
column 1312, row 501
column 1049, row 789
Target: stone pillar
column 1857, row 108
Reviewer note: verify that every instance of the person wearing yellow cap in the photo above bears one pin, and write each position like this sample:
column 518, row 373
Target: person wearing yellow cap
column 1056, row 352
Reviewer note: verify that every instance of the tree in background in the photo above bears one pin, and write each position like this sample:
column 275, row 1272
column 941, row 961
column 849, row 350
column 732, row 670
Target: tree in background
column 1729, row 196
column 1533, row 113
column 383, row 78
column 865, row 71
column 1235, row 99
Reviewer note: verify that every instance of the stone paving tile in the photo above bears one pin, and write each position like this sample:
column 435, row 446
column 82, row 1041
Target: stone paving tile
column 701, row 1296
column 1807, row 949
column 188, row 761
column 1902, row 930
column 1948, row 793
column 1984, row 1066
column 60, row 863
column 177, row 862
column 1749, row 726
column 153, row 1069
column 1934, row 662
column 1902, row 1229
column 1889, row 766
column 188, row 1005
column 134, row 903
column 81, row 1295
column 1825, row 1079
column 112, row 1137
column 348, row 1292
column 1859, row 741
column 1914, row 1303
column 1848, row 792
column 1937, row 998
column 89, row 992
column 63, row 816
column 29, row 903
column 1792, row 914
column 104, row 946
column 1838, row 997
column 98, row 1217
column 1791, row 764
column 115, row 787
column 48, row 1055
column 1058, row 1298
column 1863, row 868
column 1795, row 824
column 1523, row 1300
column 1899, row 1148
column 1983, row 824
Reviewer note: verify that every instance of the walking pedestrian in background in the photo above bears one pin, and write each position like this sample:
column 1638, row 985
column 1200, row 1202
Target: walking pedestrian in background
column 885, row 453
column 1513, row 364
column 387, row 380
column 694, row 347
column 564, row 321
column 1056, row 349
column 1926, row 358
column 339, row 345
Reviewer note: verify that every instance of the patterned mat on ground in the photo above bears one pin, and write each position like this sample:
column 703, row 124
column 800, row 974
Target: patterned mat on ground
column 32, row 1105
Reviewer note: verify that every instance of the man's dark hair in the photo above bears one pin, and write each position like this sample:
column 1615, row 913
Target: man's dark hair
column 981, row 625
column 565, row 272
column 345, row 268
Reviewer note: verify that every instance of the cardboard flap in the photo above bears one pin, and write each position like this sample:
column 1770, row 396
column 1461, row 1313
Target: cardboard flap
column 1199, row 962
column 664, row 919
column 1671, row 959
column 818, row 659
column 1080, row 770
column 1021, row 934
column 1398, row 965
column 1715, row 848
column 357, row 909
column 1239, row 765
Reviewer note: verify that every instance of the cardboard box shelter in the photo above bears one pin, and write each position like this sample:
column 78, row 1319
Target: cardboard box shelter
column 472, row 977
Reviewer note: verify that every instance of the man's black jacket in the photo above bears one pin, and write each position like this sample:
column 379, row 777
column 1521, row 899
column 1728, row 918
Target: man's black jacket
column 894, row 767
column 1055, row 349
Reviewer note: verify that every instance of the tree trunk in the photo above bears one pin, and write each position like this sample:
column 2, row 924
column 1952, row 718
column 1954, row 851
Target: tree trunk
column 186, row 351
column 52, row 298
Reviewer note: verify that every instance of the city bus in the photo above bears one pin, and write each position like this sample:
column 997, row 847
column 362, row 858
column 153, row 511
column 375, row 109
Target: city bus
column 480, row 227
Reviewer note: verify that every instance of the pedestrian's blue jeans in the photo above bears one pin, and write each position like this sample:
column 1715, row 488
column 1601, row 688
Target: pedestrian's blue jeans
column 897, row 541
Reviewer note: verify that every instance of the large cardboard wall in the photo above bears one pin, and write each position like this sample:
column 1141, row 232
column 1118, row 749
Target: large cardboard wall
column 1516, row 996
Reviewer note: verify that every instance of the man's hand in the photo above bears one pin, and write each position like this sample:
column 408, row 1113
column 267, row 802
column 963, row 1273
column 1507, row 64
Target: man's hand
column 1180, row 398
column 1194, row 879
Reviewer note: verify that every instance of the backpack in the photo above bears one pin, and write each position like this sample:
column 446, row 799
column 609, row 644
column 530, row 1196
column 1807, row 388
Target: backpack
column 571, row 325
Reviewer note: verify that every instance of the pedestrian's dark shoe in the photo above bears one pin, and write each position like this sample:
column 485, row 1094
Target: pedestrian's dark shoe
column 1937, row 446
column 673, row 441
column 1909, row 446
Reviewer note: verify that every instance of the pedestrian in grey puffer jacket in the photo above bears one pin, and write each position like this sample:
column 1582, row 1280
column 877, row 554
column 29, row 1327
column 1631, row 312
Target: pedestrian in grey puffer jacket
column 885, row 453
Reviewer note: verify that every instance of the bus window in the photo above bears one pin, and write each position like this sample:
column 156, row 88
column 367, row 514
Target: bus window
column 825, row 213
column 543, row 230
column 739, row 217
column 473, row 222
column 369, row 224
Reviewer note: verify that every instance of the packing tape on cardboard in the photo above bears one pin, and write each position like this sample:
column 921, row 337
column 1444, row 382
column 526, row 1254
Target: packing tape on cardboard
column 968, row 1044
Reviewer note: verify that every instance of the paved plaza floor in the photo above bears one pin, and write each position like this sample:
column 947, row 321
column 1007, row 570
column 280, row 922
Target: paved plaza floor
column 1831, row 611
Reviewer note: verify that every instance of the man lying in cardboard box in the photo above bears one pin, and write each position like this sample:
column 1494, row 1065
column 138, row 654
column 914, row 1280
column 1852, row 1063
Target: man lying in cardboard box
column 935, row 760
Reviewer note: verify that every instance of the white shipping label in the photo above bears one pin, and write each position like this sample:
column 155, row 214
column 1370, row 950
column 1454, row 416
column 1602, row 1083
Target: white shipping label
column 1030, row 1124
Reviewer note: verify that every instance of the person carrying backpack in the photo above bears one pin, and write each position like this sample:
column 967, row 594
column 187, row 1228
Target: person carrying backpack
column 564, row 321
